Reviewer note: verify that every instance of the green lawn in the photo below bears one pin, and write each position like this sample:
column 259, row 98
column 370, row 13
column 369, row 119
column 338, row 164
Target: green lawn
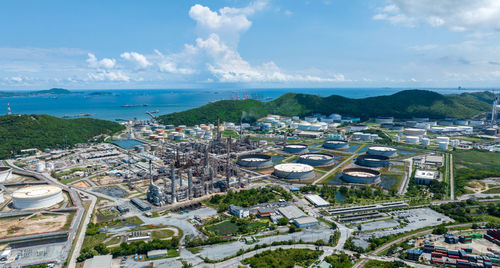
column 283, row 258
column 224, row 228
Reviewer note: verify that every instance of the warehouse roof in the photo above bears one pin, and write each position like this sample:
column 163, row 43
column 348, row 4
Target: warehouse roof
column 291, row 212
column 316, row 200
column 305, row 220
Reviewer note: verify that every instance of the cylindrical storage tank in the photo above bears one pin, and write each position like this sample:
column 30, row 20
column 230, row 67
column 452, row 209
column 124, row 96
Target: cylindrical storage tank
column 40, row 167
column 443, row 145
column 37, row 197
column 5, row 173
column 294, row 171
column 262, row 142
column 397, row 138
column 296, row 148
column 426, row 141
column 1, row 196
column 317, row 160
column 412, row 139
column 369, row 160
column 414, row 132
column 380, row 150
column 442, row 139
column 336, row 144
column 255, row 161
column 361, row 175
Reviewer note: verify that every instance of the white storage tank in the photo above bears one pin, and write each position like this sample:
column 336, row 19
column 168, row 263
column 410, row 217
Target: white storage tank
column 37, row 197
column 40, row 167
column 426, row 141
column 412, row 139
column 443, row 145
column 442, row 139
column 5, row 173
column 414, row 132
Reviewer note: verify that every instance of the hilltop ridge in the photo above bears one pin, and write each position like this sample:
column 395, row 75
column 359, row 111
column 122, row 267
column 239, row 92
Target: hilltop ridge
column 402, row 105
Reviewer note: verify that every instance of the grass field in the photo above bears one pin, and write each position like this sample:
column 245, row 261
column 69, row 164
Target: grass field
column 474, row 165
column 223, row 228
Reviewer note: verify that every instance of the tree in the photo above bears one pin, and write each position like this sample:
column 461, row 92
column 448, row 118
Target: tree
column 441, row 229
column 282, row 221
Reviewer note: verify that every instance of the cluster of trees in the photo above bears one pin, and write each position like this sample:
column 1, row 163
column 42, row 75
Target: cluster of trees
column 341, row 260
column 211, row 240
column 349, row 245
column 462, row 211
column 246, row 198
column 438, row 188
column 283, row 258
column 43, row 131
column 139, row 247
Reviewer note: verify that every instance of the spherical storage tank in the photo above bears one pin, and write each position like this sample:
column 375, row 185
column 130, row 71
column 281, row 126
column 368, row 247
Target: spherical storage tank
column 369, row 160
column 381, row 150
column 294, row 171
column 36, row 197
column 296, row 148
column 336, row 144
column 317, row 160
column 5, row 173
column 255, row 161
column 361, row 175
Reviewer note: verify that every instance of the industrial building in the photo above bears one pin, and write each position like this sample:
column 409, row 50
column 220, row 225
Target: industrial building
column 291, row 212
column 294, row 171
column 425, row 176
column 361, row 175
column 140, row 204
column 255, row 161
column 381, row 150
column 336, row 144
column 434, row 160
column 364, row 208
column 316, row 200
column 369, row 160
column 317, row 159
column 99, row 261
column 37, row 197
column 305, row 222
column 384, row 119
column 296, row 148
column 238, row 211
column 159, row 253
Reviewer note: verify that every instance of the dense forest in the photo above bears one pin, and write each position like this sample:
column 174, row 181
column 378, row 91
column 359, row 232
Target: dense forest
column 19, row 132
column 401, row 105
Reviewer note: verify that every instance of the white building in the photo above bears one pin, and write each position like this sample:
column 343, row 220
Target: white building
column 425, row 176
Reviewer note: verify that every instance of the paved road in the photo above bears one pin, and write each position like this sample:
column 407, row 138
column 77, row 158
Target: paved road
column 81, row 237
column 403, row 187
column 452, row 180
column 334, row 169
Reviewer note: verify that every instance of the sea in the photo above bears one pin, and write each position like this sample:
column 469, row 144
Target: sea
column 116, row 105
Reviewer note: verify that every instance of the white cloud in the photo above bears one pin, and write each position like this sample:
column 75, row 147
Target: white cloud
column 104, row 75
column 105, row 63
column 424, row 47
column 138, row 59
column 456, row 15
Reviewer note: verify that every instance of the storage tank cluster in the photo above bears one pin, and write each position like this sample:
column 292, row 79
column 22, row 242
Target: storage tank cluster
column 381, row 150
column 5, row 173
column 317, row 159
column 37, row 197
column 296, row 148
column 255, row 161
column 294, row 171
column 375, row 161
column 361, row 175
column 336, row 144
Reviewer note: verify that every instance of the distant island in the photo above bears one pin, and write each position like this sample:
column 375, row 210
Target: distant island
column 43, row 131
column 52, row 91
column 402, row 105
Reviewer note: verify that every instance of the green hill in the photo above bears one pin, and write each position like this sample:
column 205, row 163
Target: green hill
column 43, row 131
column 402, row 105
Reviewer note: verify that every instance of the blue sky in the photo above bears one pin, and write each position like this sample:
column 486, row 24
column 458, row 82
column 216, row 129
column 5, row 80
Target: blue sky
column 261, row 43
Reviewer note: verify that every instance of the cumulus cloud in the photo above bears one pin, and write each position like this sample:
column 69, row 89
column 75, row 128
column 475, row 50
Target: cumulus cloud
column 104, row 75
column 456, row 15
column 138, row 59
column 105, row 63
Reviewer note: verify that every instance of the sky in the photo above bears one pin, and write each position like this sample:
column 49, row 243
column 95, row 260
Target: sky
column 125, row 44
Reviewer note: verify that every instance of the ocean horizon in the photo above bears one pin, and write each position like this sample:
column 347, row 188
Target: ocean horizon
column 113, row 104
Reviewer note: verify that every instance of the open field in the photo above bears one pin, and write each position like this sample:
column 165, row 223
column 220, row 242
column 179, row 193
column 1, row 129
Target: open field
column 11, row 227
column 474, row 165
